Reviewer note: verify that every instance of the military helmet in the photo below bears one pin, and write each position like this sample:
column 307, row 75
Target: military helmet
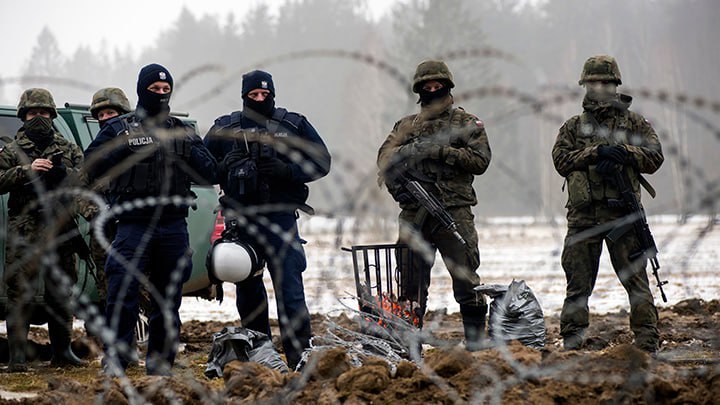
column 109, row 97
column 431, row 70
column 600, row 67
column 36, row 98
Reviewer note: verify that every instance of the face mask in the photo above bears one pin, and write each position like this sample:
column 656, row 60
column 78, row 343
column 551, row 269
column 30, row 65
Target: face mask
column 427, row 97
column 264, row 108
column 39, row 125
column 601, row 92
column 154, row 103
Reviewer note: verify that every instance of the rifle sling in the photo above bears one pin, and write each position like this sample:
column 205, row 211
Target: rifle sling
column 647, row 186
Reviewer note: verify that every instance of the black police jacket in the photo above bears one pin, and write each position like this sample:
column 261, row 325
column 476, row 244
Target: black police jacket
column 294, row 141
column 142, row 161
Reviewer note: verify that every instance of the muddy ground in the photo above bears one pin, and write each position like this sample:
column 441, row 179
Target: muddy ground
column 608, row 370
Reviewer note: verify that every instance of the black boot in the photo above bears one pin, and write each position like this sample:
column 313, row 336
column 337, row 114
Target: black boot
column 60, row 339
column 473, row 318
column 17, row 332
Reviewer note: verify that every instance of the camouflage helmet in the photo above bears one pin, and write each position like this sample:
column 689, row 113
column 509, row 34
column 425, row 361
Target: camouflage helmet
column 600, row 67
column 109, row 97
column 431, row 70
column 36, row 98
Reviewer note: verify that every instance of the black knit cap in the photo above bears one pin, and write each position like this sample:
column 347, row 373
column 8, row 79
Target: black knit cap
column 153, row 73
column 257, row 79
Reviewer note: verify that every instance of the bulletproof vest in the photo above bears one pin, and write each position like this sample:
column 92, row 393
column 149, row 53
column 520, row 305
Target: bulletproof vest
column 616, row 130
column 455, row 134
column 158, row 173
column 244, row 183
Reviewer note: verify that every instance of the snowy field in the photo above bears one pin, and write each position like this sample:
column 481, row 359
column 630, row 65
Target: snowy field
column 510, row 248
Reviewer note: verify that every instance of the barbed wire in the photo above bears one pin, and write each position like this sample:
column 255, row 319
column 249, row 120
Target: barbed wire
column 492, row 383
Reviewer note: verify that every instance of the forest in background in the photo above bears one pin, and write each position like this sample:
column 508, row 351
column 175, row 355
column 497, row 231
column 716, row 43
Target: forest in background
column 516, row 66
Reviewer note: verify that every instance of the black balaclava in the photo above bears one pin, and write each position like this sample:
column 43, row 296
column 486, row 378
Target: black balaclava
column 258, row 79
column 152, row 103
column 264, row 108
column 427, row 97
column 40, row 131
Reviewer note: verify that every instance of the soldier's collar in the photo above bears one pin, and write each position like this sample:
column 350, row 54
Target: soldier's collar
column 23, row 141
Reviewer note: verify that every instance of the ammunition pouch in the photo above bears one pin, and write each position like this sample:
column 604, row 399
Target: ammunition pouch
column 579, row 193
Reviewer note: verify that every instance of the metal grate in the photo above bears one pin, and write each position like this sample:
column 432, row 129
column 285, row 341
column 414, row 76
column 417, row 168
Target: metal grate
column 387, row 283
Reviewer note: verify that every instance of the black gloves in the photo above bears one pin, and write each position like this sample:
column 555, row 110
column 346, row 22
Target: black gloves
column 616, row 153
column 274, row 168
column 403, row 197
column 607, row 167
column 57, row 173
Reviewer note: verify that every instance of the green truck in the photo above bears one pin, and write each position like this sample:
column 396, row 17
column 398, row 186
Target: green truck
column 76, row 124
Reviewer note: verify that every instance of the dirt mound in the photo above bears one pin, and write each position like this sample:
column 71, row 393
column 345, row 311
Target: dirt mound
column 696, row 306
column 608, row 369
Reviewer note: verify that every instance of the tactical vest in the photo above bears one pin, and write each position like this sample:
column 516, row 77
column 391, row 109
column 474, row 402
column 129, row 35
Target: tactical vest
column 25, row 198
column 243, row 183
column 450, row 132
column 587, row 186
column 158, row 173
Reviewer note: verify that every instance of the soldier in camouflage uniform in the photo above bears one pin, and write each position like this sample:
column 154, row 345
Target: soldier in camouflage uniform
column 37, row 162
column 444, row 148
column 590, row 149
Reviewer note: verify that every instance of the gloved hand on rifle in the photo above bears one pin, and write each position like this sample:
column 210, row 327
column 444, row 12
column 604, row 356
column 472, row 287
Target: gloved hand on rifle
column 274, row 168
column 615, row 153
column 399, row 194
column 232, row 157
column 607, row 168
column 421, row 150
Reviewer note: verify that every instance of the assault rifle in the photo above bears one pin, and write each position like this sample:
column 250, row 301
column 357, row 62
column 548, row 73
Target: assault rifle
column 638, row 222
column 430, row 203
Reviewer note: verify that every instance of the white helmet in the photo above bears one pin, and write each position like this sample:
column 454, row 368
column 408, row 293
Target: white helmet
column 233, row 261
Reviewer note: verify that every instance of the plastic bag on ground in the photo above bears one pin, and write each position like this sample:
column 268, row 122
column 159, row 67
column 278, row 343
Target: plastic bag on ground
column 234, row 343
column 515, row 314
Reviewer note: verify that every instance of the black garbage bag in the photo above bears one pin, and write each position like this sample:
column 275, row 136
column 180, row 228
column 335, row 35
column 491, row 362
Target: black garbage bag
column 233, row 343
column 515, row 314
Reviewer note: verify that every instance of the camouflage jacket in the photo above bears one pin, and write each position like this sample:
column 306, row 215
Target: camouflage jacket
column 22, row 183
column 575, row 155
column 464, row 153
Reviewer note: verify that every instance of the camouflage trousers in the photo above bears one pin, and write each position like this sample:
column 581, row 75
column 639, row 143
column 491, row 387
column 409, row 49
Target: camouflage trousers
column 28, row 263
column 426, row 236
column 99, row 256
column 580, row 261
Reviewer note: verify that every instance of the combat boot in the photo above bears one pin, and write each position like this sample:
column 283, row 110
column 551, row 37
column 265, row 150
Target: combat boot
column 573, row 341
column 60, row 339
column 17, row 331
column 473, row 318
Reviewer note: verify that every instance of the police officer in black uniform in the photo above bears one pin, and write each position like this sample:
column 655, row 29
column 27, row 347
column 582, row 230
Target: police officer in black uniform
column 267, row 155
column 150, row 159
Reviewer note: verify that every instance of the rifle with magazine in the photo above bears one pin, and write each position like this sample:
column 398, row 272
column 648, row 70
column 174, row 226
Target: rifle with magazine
column 636, row 221
column 428, row 201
